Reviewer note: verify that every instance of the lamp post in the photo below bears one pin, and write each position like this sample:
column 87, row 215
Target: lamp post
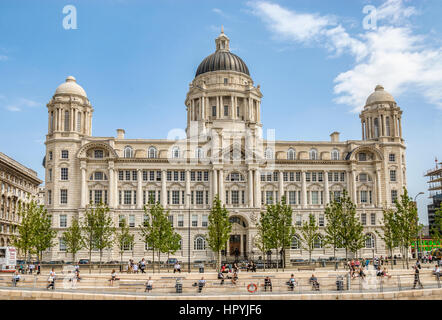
column 188, row 249
column 417, row 224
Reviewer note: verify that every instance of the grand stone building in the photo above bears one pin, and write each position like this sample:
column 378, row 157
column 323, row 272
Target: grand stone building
column 19, row 186
column 222, row 152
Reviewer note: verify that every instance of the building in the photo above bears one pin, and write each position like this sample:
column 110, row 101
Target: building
column 19, row 186
column 435, row 192
column 222, row 152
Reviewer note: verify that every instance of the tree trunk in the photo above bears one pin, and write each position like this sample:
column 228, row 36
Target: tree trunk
column 277, row 259
column 121, row 260
column 159, row 261
column 218, row 263
column 334, row 258
column 391, row 260
column 99, row 265
column 406, row 256
column 153, row 260
column 90, row 260
column 73, row 258
column 265, row 262
column 168, row 257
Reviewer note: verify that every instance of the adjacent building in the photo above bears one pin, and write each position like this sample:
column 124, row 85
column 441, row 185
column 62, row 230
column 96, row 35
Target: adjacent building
column 19, row 186
column 221, row 152
column 435, row 192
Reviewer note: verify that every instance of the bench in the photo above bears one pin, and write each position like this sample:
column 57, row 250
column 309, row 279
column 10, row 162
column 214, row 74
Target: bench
column 306, row 269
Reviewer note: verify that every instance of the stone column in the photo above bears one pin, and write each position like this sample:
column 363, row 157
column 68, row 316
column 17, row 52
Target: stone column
column 257, row 195
column 222, row 196
column 303, row 190
column 250, row 188
column 354, row 189
column 83, row 200
column 281, row 186
column 111, row 185
column 163, row 189
column 378, row 187
column 233, row 115
column 400, row 127
column 139, row 190
column 187, row 198
column 326, row 189
column 215, row 182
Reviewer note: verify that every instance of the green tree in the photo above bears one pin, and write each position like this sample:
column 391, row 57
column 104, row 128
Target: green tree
column 219, row 229
column 124, row 238
column 390, row 231
column 308, row 232
column 43, row 234
column 104, row 230
column 24, row 240
column 88, row 230
column 171, row 243
column 262, row 240
column 146, row 231
column 408, row 225
column 333, row 216
column 351, row 230
column 73, row 238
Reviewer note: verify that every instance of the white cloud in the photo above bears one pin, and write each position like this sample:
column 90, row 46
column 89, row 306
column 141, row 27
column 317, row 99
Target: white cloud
column 392, row 55
column 13, row 108
column 218, row 11
column 21, row 103
column 3, row 57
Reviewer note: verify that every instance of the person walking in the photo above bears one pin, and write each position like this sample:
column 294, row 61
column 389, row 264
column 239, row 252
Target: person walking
column 417, row 278
column 292, row 282
column 15, row 279
column 267, row 283
column 51, row 280
column 201, row 284
column 142, row 265
column 31, row 268
column 149, row 285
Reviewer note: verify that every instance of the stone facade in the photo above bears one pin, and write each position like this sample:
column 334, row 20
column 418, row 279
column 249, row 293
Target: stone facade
column 19, row 186
column 221, row 152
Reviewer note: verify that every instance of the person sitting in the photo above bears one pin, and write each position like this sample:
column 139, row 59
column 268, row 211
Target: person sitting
column 229, row 274
column 177, row 268
column 15, row 279
column 267, row 284
column 253, row 267
column 113, row 277
column 223, row 268
column 234, row 277
column 385, row 273
column 314, row 282
column 292, row 282
column 221, row 277
column 149, row 285
column 201, row 284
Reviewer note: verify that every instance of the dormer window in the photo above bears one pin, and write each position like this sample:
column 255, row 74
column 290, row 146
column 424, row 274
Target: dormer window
column 98, row 154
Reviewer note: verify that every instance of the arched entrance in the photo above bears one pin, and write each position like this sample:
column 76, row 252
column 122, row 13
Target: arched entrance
column 237, row 245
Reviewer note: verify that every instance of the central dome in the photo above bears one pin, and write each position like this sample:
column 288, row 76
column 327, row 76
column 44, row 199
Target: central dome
column 222, row 59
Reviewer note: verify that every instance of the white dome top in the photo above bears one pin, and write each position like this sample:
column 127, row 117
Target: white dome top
column 379, row 95
column 70, row 87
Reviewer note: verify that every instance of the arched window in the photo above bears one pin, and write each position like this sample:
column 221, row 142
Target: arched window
column 370, row 241
column 268, row 153
column 175, row 152
column 296, row 244
column 317, row 243
column 313, row 154
column 199, row 243
column 199, row 153
column 335, row 155
column 152, row 153
column 128, row 152
column 291, row 155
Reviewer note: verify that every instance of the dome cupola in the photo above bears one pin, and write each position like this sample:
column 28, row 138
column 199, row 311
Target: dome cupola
column 379, row 95
column 71, row 87
column 222, row 59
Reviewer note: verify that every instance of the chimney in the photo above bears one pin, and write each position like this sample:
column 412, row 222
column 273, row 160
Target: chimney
column 120, row 133
column 334, row 137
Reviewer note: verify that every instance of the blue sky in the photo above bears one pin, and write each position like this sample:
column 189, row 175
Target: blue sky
column 314, row 60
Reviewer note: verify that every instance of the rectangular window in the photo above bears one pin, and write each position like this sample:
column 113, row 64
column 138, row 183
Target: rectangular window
column 151, row 194
column 226, row 111
column 199, row 197
column 298, row 176
column 199, row 176
column 269, row 197
column 192, row 175
column 144, row 175
column 50, row 174
column 135, row 197
column 337, row 195
column 320, row 177
column 182, row 197
column 180, row 220
column 120, row 175
column 127, row 175
column 314, row 177
column 182, row 176
column 342, row 176
column 285, row 176
column 63, row 221
column 321, row 220
column 98, row 154
column 191, row 197
column 175, row 197
column 119, row 197
column 235, row 197
column 315, row 197
column 63, row 196
column 392, row 157
column 330, row 176
column 364, row 219
column 243, row 197
column 207, row 197
column 158, row 175
column 194, row 220
column 152, row 175
column 298, row 220
column 373, row 219
column 206, row 175
column 269, row 177
column 275, row 176
column 49, row 196
column 205, row 220
column 364, row 198
column 307, row 176
column 175, row 176
column 64, row 154
column 263, row 177
column 169, row 175
column 213, row 111
column 336, row 176
column 50, row 155
column 292, row 176
column 131, row 220
column 127, row 196
column 227, row 197
column 62, row 244
column 134, row 175
column 292, row 197
column 393, row 175
column 98, row 196
column 170, row 218
column 237, row 112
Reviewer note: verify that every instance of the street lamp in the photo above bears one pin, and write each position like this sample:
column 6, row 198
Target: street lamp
column 188, row 249
column 417, row 224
